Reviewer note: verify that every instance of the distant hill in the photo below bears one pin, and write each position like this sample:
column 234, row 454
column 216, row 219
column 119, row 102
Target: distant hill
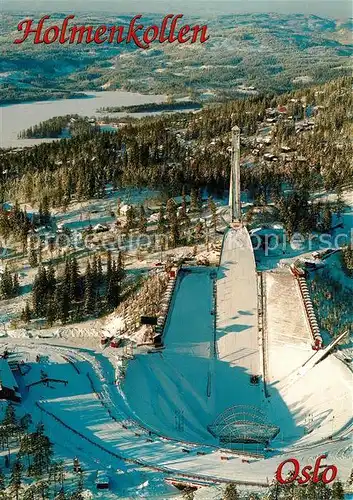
column 260, row 52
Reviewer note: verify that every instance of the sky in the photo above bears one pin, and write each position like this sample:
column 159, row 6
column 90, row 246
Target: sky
column 329, row 8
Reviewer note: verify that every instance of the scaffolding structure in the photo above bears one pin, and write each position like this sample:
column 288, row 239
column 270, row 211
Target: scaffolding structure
column 234, row 192
column 243, row 424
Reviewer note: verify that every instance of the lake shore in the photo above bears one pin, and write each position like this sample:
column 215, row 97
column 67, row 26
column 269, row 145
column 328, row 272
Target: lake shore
column 17, row 117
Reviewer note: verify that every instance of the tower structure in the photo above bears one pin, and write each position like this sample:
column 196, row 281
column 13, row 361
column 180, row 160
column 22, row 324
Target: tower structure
column 234, row 192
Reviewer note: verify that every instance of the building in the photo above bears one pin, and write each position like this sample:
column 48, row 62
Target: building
column 8, row 385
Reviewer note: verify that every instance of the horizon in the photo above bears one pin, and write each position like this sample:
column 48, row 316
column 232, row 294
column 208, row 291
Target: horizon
column 326, row 8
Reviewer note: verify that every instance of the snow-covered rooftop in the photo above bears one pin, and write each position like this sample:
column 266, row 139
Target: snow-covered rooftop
column 7, row 378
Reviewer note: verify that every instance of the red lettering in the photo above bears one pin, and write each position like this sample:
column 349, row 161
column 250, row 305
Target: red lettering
column 292, row 476
column 333, row 470
column 184, row 30
column 81, row 30
column 172, row 38
column 316, row 478
column 132, row 35
column 113, row 30
column 54, row 30
column 204, row 36
column 28, row 30
column 306, row 474
column 155, row 33
column 99, row 32
column 162, row 37
column 62, row 38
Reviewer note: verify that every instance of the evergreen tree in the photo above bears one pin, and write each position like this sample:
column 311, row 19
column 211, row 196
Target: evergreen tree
column 26, row 313
column 16, row 478
column 94, row 271
column 213, row 210
column 42, row 489
column 142, row 220
column 193, row 200
column 109, row 265
column 15, row 285
column 231, row 493
column 199, row 200
column 6, row 285
column 52, row 312
column 161, row 220
column 89, row 295
column 32, row 255
column 51, row 280
column 62, row 301
column 2, row 481
column 61, row 495
column 188, row 493
column 74, row 280
column 30, row 493
column 337, row 491
column 39, row 292
column 130, row 219
column 99, row 271
column 327, row 219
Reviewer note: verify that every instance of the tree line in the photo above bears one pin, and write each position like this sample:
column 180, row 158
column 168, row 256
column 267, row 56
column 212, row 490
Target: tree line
column 75, row 296
column 33, row 474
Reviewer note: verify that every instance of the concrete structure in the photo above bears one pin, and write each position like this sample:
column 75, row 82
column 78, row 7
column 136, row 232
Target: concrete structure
column 8, row 385
column 234, row 193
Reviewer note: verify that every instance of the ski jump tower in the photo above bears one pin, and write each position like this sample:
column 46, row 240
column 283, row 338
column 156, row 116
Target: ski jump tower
column 234, row 193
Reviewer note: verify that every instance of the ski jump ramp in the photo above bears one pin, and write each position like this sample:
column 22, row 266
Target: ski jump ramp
column 237, row 303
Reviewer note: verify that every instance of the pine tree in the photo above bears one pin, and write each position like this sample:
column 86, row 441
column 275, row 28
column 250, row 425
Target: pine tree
column 94, row 271
column 39, row 292
column 120, row 267
column 42, row 489
column 61, row 495
column 109, row 266
column 188, row 493
column 2, row 481
column 15, row 285
column 32, row 255
column 51, row 279
column 89, row 295
column 16, row 478
column 231, row 493
column 62, row 301
column 130, row 219
column 74, row 280
column 45, row 211
column 30, row 492
column 199, row 200
column 26, row 313
column 142, row 220
column 6, row 284
column 327, row 219
column 99, row 271
column 9, row 419
column 337, row 491
column 98, row 305
column 213, row 210
column 161, row 220
column 174, row 235
column 51, row 312
column 193, row 200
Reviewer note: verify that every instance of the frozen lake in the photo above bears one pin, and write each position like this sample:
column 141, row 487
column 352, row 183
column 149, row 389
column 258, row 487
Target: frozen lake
column 17, row 117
